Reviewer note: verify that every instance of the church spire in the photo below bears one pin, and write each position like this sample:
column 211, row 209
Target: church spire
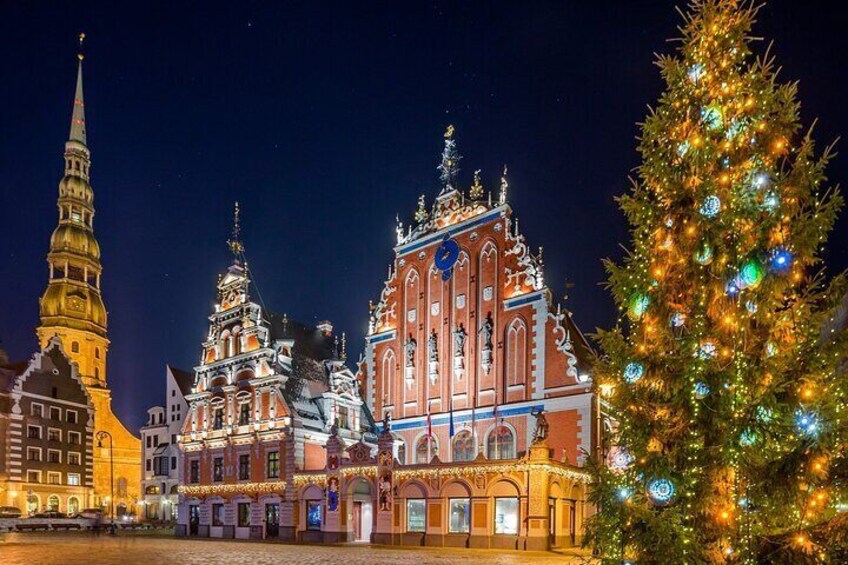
column 449, row 167
column 78, row 114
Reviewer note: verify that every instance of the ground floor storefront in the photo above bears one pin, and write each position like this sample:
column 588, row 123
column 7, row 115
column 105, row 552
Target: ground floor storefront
column 532, row 503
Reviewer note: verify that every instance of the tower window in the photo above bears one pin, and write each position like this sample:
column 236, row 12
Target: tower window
column 76, row 165
column 74, row 347
column 97, row 373
column 97, row 353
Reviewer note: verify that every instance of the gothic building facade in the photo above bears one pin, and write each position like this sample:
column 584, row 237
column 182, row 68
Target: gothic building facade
column 72, row 310
column 480, row 384
column 266, row 395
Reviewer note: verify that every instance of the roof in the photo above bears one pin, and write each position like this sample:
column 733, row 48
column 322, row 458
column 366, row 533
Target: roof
column 185, row 379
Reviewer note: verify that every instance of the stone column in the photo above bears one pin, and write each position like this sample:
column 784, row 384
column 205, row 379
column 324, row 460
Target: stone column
column 538, row 519
column 288, row 509
column 334, row 527
column 385, row 507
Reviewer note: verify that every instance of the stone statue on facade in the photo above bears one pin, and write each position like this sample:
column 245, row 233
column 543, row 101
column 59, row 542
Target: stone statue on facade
column 433, row 347
column 410, row 347
column 459, row 341
column 542, row 427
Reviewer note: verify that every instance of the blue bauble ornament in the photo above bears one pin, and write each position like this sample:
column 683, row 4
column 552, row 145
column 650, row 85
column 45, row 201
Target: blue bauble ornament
column 695, row 73
column 808, row 423
column 638, row 306
column 711, row 115
column 732, row 288
column 711, row 206
column 702, row 390
column 661, row 491
column 633, row 372
column 781, row 260
column 748, row 437
column 704, row 254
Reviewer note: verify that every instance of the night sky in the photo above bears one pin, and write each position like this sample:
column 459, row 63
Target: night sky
column 325, row 119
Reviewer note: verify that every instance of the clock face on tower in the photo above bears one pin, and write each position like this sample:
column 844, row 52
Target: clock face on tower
column 446, row 257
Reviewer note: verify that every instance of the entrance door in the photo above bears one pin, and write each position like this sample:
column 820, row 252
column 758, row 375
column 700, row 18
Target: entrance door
column 357, row 521
column 272, row 520
column 193, row 519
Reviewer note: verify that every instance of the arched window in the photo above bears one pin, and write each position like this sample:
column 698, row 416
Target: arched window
column 388, row 377
column 53, row 503
column 516, row 352
column 224, row 345
column 97, row 353
column 501, row 443
column 463, row 446
column 74, row 347
column 73, row 505
column 32, row 503
column 426, row 449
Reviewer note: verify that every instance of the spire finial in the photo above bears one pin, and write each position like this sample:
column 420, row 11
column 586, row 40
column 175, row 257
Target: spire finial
column 235, row 243
column 421, row 214
column 78, row 113
column 504, row 186
column 449, row 167
column 476, row 191
column 343, row 355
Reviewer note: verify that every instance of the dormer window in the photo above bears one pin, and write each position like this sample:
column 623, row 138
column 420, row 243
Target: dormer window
column 76, row 216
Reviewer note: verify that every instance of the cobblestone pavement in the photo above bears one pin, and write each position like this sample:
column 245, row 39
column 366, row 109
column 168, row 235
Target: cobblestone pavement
column 56, row 548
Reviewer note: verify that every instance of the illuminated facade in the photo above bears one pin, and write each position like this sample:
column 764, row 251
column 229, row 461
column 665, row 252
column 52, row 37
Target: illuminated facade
column 267, row 394
column 481, row 382
column 72, row 309
column 46, row 435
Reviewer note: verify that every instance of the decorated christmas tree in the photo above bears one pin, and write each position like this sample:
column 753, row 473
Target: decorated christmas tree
column 727, row 383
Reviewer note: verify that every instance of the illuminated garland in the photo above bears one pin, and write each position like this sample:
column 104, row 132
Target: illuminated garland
column 466, row 470
column 208, row 490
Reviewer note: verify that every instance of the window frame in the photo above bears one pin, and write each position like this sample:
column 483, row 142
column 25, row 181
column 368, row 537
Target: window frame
column 68, row 413
column 34, row 449
column 54, row 474
column 310, row 524
column 194, row 471
column 273, row 464
column 246, row 522
column 57, row 453
column 218, row 507
column 467, row 523
column 57, row 431
column 244, row 467
column 37, row 474
column 517, row 516
column 31, row 427
column 58, row 411
column 78, row 479
column 78, row 455
column 217, row 469
column 77, row 435
column 409, row 503
column 32, row 407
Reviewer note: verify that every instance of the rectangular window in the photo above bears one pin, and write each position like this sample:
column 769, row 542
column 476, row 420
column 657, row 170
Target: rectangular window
column 460, row 516
column 194, row 471
column 173, row 439
column 155, row 441
column 71, row 416
column 55, row 413
column 33, row 454
column 243, row 514
column 217, row 514
column 160, row 465
column 244, row 467
column 54, row 456
column 34, row 432
column 506, row 516
column 73, row 458
column 149, row 465
column 149, row 442
column 244, row 414
column 344, row 417
column 73, row 479
column 37, row 410
column 33, row 476
column 173, row 463
column 74, row 438
column 54, row 435
column 273, row 464
column 54, row 478
column 218, row 421
column 416, row 518
column 218, row 469
column 313, row 515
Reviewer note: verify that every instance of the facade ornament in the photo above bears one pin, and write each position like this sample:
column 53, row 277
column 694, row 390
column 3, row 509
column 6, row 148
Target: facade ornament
column 504, row 187
column 410, row 346
column 421, row 214
column 487, row 330
column 449, row 167
column 540, row 434
column 459, row 337
column 476, row 191
column 234, row 243
column 433, row 356
column 399, row 230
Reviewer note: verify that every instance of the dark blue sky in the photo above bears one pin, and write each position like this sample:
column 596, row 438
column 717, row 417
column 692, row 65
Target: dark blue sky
column 325, row 119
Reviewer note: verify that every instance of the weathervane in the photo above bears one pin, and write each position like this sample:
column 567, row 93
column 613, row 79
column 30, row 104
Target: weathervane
column 80, row 54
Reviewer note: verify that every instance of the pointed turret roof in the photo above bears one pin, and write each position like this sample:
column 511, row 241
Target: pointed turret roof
column 78, row 115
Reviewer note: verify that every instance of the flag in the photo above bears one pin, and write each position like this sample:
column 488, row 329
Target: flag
column 451, row 419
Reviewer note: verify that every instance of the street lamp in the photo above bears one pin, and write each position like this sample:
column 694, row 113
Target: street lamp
column 101, row 435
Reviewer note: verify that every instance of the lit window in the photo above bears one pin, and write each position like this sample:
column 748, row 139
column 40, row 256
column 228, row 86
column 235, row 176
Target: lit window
column 501, row 443
column 273, row 464
column 243, row 514
column 313, row 515
column 74, row 347
column 217, row 514
column 460, row 516
column 506, row 516
column 463, row 446
column 218, row 469
column 73, row 479
column 416, row 520
column 244, row 414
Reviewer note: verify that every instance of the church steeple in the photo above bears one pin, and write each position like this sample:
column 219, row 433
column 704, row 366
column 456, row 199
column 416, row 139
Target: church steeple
column 78, row 114
column 72, row 306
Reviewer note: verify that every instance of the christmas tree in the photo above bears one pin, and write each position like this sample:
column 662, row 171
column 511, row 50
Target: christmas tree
column 727, row 388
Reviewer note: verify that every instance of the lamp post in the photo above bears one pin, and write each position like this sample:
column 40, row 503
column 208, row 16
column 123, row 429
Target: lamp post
column 101, row 435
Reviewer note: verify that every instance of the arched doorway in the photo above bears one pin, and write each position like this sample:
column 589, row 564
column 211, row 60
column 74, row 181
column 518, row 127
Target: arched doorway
column 73, row 505
column 53, row 503
column 361, row 500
